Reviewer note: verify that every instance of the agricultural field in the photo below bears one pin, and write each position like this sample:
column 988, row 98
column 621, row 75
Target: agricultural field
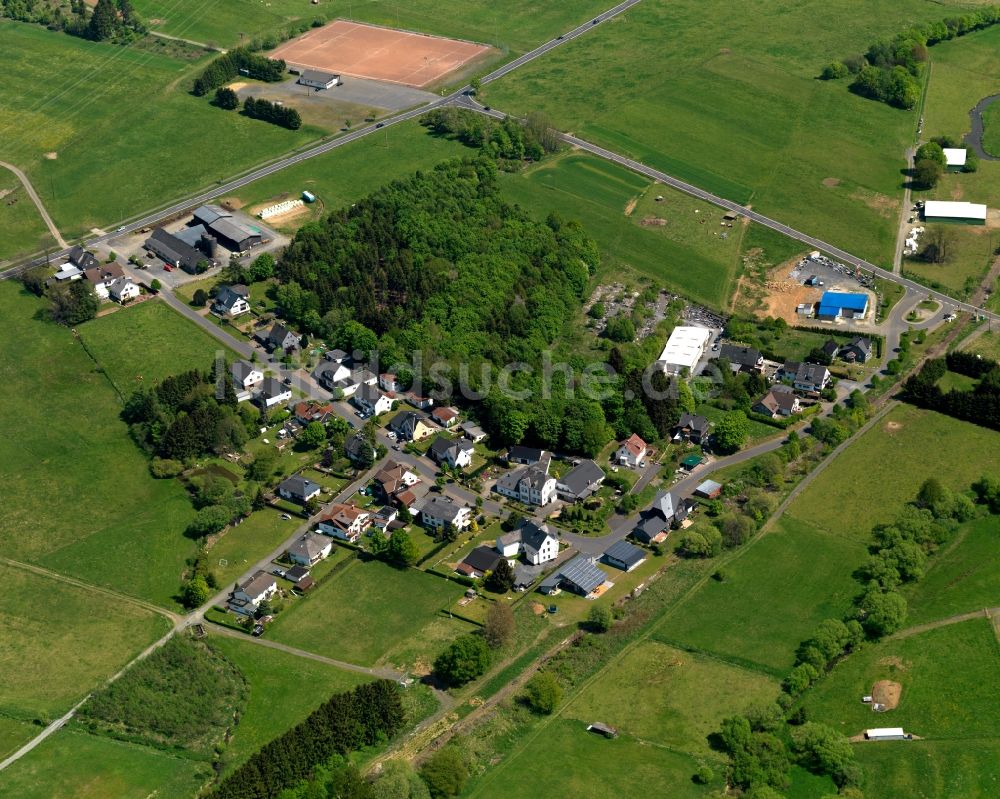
column 947, row 675
column 664, row 240
column 764, row 609
column 931, row 769
column 21, row 228
column 142, row 344
column 106, row 132
column 50, row 657
column 736, row 108
column 78, row 497
column 517, row 26
column 364, row 611
column 868, row 478
column 591, row 767
column 84, row 766
column 277, row 699
column 961, row 577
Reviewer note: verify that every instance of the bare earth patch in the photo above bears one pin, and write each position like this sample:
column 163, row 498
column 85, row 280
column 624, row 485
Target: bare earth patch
column 630, row 206
column 52, row 156
column 887, row 693
column 232, row 203
column 724, row 51
column 653, row 221
column 783, row 296
column 895, row 662
column 831, row 182
column 892, row 427
column 884, row 206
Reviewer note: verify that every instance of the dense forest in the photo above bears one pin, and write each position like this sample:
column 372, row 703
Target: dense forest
column 184, row 695
column 510, row 140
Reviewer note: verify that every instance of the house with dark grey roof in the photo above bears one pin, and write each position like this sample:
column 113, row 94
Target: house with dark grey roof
column 232, row 301
column 298, row 489
column 811, row 377
column 456, row 452
column 481, row 560
column 246, row 378
column 251, row 592
column 315, row 79
column 279, row 337
column 536, row 542
column 524, row 455
column 623, row 555
column 580, row 482
column 473, row 432
column 273, row 392
column 358, row 449
column 329, row 372
column 742, row 359
column 531, row 485
column 655, row 522
column 441, row 511
column 82, row 259
column 410, row 426
column 857, row 351
column 310, row 549
column 830, row 348
column 691, row 428
column 371, row 400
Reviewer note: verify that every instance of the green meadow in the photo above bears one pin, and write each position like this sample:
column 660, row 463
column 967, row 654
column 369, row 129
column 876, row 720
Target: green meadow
column 931, row 769
column 728, row 100
column 21, row 228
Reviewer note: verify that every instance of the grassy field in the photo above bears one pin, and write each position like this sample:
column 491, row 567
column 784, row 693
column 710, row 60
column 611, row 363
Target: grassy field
column 986, row 344
column 85, row 766
column 947, row 676
column 77, row 495
column 869, row 478
column 364, row 611
column 670, row 697
column 145, row 343
column 51, row 657
column 962, row 577
column 590, row 767
column 14, row 733
column 761, row 613
column 121, row 132
column 973, row 255
column 931, row 769
column 953, row 381
column 991, row 129
column 284, row 689
column 21, row 228
column 619, row 209
column 737, row 109
column 518, row 25
column 244, row 544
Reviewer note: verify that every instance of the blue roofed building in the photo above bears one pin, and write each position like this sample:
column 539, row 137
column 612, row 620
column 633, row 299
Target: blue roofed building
column 842, row 305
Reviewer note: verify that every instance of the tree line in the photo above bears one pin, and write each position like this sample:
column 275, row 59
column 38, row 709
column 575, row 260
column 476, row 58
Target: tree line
column 237, row 62
column 980, row 405
column 111, row 20
column 507, row 140
column 365, row 716
column 275, row 113
column 889, row 69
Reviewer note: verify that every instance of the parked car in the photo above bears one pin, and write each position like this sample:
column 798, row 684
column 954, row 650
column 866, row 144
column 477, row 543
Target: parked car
column 278, row 572
column 286, row 517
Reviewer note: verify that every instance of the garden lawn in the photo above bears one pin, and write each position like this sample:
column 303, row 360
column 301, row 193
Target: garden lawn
column 776, row 592
column 587, row 766
column 123, row 133
column 142, row 344
column 284, row 689
column 758, row 430
column 60, row 642
column 518, row 25
column 83, row 766
column 666, row 696
column 961, row 577
column 931, row 769
column 877, row 475
column 612, row 204
column 77, row 494
column 253, row 538
column 364, row 611
column 22, row 230
column 948, row 679
column 736, row 108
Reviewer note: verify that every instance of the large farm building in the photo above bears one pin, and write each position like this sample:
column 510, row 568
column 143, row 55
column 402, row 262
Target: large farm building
column 684, row 349
column 961, row 213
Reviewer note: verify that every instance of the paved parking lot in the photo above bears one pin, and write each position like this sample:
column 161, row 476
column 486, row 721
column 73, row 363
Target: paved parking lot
column 356, row 91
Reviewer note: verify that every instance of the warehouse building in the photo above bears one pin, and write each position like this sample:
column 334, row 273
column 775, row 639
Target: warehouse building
column 177, row 253
column 684, row 349
column 842, row 305
column 318, row 80
column 225, row 229
column 961, row 213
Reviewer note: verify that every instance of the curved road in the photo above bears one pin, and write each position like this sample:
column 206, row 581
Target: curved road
column 38, row 204
column 974, row 139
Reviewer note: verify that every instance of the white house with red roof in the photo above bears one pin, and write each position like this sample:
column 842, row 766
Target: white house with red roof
column 632, row 451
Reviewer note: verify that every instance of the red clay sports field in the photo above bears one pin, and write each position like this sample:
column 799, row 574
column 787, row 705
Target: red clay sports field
column 367, row 51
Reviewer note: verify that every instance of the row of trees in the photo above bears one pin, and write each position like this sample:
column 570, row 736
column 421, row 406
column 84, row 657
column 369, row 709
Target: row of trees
column 275, row 113
column 506, row 140
column 981, row 405
column 111, row 20
column 365, row 716
column 240, row 61
column 889, row 69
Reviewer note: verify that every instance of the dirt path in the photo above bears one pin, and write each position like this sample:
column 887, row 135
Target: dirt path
column 993, row 614
column 38, row 204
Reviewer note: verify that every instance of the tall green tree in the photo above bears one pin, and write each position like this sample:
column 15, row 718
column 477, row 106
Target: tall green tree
column 104, row 21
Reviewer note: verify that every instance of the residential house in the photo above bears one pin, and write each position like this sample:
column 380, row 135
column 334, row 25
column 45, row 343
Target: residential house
column 344, row 521
column 580, row 482
column 123, row 290
column 473, row 432
column 298, row 489
column 385, row 516
column 456, row 452
column 631, row 451
column 307, row 412
column 412, row 497
column 830, row 348
column 656, row 521
column 418, row 401
column 524, row 455
column 393, row 478
column 535, row 541
column 582, row 576
column 857, row 351
column 102, row 276
column 445, row 416
column 82, row 259
column 410, row 426
column 623, row 555
column 336, row 356
column 279, row 337
column 328, row 373
column 364, row 377
column 742, row 359
column 691, row 428
column 273, row 392
column 232, row 301
column 296, row 574
column 250, row 593
column 811, row 377
column 388, row 382
column 246, row 379
column 309, row 550
column 442, row 511
column 779, row 401
column 371, row 401
column 481, row 560
column 359, row 450
column 531, row 485
column 787, row 371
